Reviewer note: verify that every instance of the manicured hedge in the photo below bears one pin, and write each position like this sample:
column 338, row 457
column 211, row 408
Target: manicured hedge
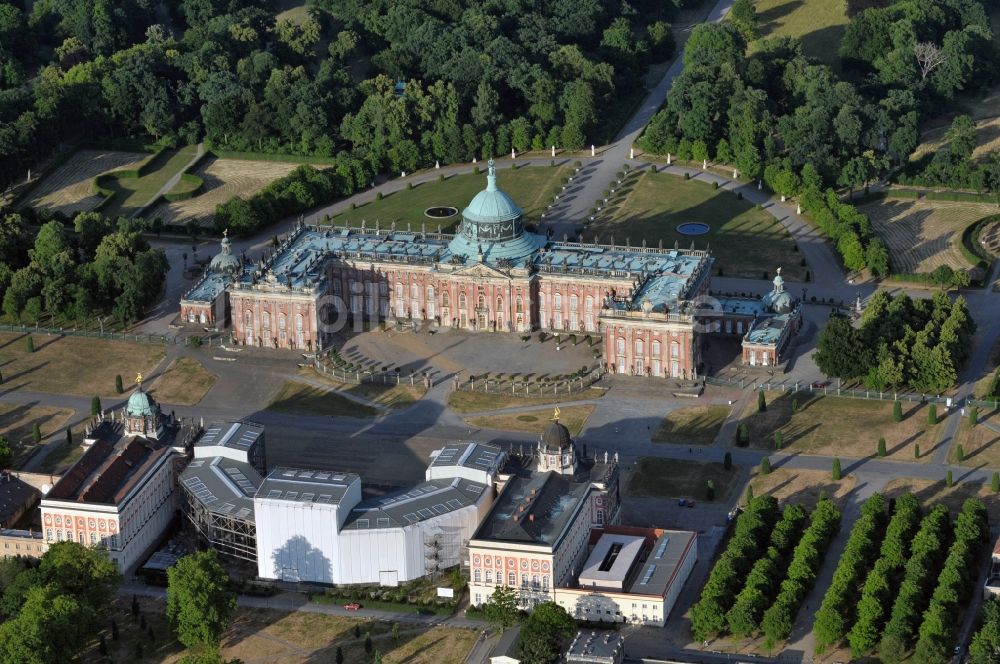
column 836, row 613
column 883, row 581
column 926, row 552
column 823, row 525
column 954, row 585
column 750, row 535
column 765, row 577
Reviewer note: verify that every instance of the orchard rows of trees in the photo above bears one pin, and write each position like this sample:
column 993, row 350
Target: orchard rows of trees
column 915, row 573
column 96, row 265
column 767, row 568
column 480, row 78
column 801, row 126
column 901, row 343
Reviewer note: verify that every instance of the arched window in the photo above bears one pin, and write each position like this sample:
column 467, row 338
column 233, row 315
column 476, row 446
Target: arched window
column 481, row 301
column 430, row 293
column 461, row 300
column 640, row 346
column 519, row 306
column 511, row 579
column 621, row 346
column 477, row 576
column 534, row 582
column 281, row 321
column 399, row 291
column 573, row 302
column 656, row 349
column 266, row 320
column 589, row 303
column 298, row 322
column 524, row 580
column 499, row 304
column 557, row 301
column 247, row 316
column 414, row 291
column 675, row 349
column 545, row 582
column 445, row 299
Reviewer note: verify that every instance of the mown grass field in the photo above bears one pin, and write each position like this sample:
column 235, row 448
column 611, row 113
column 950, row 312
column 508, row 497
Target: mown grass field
column 68, row 188
column 73, row 365
column 921, row 234
column 531, row 187
column 475, row 402
column 832, row 426
column 536, row 421
column 297, row 398
column 694, row 425
column 654, row 477
column 132, row 193
column 745, row 241
column 802, row 487
column 276, row 637
column 819, row 24
column 185, row 382
column 223, row 179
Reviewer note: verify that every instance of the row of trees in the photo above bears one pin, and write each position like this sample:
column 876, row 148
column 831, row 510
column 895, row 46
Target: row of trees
column 986, row 641
column 748, row 542
column 926, row 552
column 766, row 574
column 901, row 342
column 884, row 579
column 300, row 190
column 837, row 611
column 97, row 265
column 802, row 569
column 954, row 585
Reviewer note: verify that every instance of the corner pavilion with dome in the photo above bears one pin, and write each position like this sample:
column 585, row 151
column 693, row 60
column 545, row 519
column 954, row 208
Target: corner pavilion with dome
column 650, row 304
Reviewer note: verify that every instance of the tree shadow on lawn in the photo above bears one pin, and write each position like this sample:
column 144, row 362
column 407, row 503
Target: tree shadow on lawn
column 769, row 16
column 23, row 373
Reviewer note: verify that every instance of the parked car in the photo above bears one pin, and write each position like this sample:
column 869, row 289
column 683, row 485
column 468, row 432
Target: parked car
column 690, row 503
column 353, row 606
column 682, row 502
column 820, row 384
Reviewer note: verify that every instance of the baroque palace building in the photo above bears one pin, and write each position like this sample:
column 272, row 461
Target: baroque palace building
column 649, row 303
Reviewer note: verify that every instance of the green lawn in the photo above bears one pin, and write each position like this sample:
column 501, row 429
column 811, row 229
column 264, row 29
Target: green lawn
column 676, row 478
column 297, row 398
column 531, row 187
column 818, row 23
column 745, row 241
column 695, row 425
column 132, row 193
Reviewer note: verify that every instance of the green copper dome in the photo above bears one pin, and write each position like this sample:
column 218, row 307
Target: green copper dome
column 141, row 404
column 492, row 215
column 492, row 227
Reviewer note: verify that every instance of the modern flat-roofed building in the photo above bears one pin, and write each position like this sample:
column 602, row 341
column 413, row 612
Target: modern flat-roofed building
column 219, row 485
column 120, row 494
column 596, row 648
column 535, row 537
column 632, row 575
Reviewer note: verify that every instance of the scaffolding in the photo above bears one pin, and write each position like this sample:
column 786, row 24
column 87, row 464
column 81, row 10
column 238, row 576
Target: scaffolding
column 442, row 549
column 229, row 534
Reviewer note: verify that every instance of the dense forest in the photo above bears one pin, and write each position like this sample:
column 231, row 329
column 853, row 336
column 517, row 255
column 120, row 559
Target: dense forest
column 477, row 77
column 801, row 125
